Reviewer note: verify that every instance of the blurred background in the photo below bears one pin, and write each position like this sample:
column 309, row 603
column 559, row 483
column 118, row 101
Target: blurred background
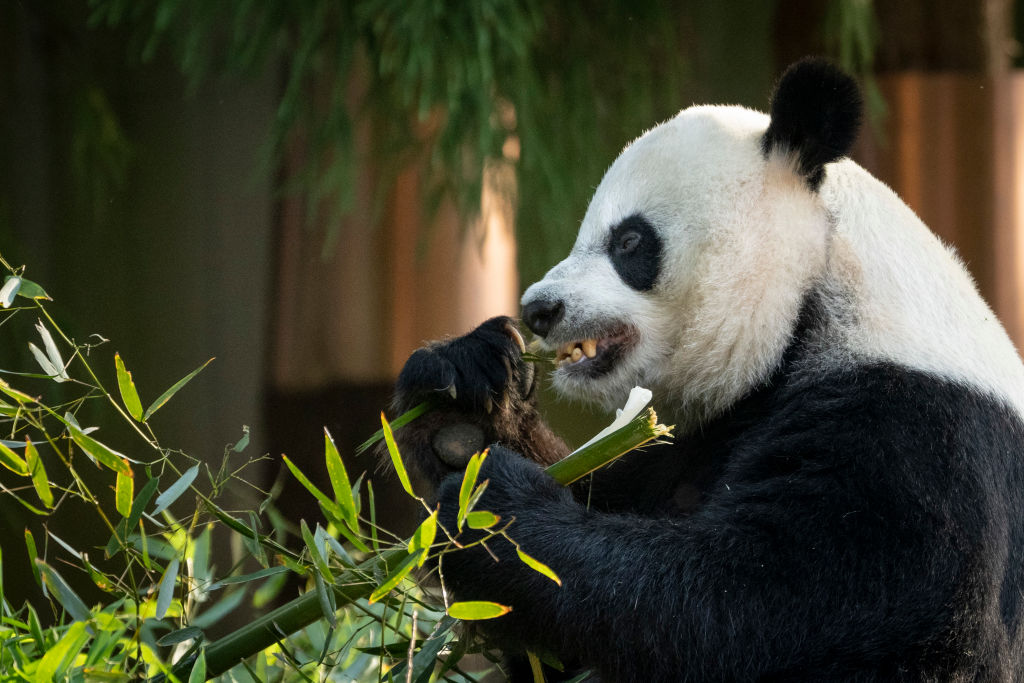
column 309, row 189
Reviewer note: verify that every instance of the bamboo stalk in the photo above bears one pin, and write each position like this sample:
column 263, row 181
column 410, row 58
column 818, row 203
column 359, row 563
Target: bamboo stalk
column 358, row 583
column 294, row 616
column 637, row 432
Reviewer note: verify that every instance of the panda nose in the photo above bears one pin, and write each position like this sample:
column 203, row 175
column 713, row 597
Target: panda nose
column 540, row 316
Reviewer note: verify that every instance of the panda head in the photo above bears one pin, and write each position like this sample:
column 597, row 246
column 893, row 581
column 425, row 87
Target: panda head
column 698, row 248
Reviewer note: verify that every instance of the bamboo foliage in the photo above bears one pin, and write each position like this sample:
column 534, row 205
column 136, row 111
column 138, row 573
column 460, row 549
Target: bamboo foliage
column 362, row 613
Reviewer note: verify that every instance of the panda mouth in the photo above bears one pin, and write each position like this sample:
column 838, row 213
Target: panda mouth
column 593, row 356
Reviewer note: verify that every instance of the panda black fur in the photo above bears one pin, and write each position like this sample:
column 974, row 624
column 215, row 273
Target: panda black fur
column 844, row 499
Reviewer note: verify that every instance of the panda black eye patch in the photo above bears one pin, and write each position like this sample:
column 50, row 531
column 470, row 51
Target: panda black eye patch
column 634, row 248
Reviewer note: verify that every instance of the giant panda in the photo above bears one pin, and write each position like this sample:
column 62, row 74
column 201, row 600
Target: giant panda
column 844, row 496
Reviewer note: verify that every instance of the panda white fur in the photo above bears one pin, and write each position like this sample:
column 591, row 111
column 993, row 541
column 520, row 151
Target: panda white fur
column 843, row 499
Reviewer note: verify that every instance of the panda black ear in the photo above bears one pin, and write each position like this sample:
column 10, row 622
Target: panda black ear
column 815, row 116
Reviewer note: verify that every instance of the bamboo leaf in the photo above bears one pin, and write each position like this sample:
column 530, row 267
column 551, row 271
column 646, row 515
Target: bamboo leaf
column 357, row 499
column 48, row 367
column 423, row 538
column 474, row 610
column 468, row 485
column 19, row 396
column 268, row 590
column 102, row 454
column 52, row 353
column 39, row 478
column 338, row 549
column 399, row 422
column 315, row 552
column 124, row 491
column 58, row 658
column 198, row 674
column 326, row 599
column 174, row 491
column 166, row 396
column 102, row 581
column 201, row 557
column 42, row 512
column 129, row 394
column 395, row 577
column 325, row 543
column 13, row 461
column 68, row 599
column 332, row 508
column 424, row 662
column 180, row 636
column 34, row 627
column 394, row 650
column 535, row 667
column 33, row 556
column 245, row 578
column 481, row 519
column 255, row 541
column 12, row 283
column 373, row 511
column 538, row 566
column 63, row 544
column 243, row 442
column 475, row 498
column 227, row 605
column 340, row 483
column 247, row 532
column 166, row 591
column 396, row 458
column 31, row 290
column 126, row 526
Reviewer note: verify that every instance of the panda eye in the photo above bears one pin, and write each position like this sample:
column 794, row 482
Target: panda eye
column 634, row 248
column 628, row 242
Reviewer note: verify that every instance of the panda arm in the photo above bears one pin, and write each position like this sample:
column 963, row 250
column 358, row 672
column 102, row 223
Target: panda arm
column 821, row 547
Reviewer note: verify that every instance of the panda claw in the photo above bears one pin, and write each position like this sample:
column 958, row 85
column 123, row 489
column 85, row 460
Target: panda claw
column 516, row 336
column 488, row 405
column 452, row 392
column 530, row 374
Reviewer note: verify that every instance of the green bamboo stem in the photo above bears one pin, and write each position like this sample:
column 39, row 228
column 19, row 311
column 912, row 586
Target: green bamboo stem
column 294, row 616
column 358, row 583
column 640, row 430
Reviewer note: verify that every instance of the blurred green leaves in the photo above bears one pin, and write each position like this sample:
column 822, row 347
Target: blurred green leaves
column 452, row 87
column 553, row 90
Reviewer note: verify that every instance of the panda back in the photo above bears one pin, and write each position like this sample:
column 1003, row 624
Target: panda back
column 910, row 299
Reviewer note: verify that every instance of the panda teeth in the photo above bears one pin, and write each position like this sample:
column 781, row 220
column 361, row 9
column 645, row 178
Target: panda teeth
column 574, row 352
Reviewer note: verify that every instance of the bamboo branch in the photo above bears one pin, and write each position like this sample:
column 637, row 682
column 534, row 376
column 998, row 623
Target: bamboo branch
column 359, row 582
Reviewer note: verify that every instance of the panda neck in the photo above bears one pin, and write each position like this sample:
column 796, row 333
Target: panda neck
column 809, row 345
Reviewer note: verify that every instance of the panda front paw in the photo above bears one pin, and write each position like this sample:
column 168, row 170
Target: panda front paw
column 526, row 499
column 476, row 372
column 480, row 390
